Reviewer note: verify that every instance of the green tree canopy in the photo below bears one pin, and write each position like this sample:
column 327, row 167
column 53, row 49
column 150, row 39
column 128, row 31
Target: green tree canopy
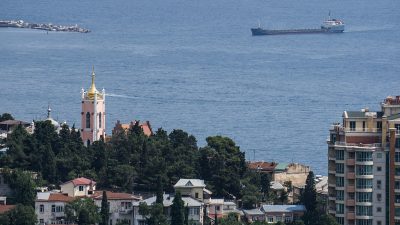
column 6, row 116
column 177, row 210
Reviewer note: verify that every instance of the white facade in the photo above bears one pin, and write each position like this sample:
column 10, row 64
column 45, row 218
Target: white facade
column 79, row 187
column 50, row 207
column 195, row 208
column 121, row 206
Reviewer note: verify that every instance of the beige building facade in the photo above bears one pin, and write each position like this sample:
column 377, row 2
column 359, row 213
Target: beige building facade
column 364, row 166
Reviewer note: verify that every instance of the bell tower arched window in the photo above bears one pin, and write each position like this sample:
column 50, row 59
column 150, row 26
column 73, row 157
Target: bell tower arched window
column 87, row 120
column 99, row 120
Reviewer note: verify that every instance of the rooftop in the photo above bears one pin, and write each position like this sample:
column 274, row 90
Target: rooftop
column 116, row 196
column 14, row 122
column 81, row 181
column 6, row 208
column 283, row 208
column 53, row 197
column 253, row 212
column 266, row 166
column 168, row 199
column 185, row 183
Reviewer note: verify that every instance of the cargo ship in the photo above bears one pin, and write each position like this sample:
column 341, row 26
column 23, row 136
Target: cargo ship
column 328, row 26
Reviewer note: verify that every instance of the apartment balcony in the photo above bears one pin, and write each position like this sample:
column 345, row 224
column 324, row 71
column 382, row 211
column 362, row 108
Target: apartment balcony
column 361, row 130
column 125, row 210
column 355, row 145
column 57, row 214
column 351, row 216
column 351, row 175
column 350, row 162
column 350, row 189
column 332, row 198
column 332, row 211
column 350, row 202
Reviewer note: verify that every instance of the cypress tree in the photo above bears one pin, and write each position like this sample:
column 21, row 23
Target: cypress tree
column 177, row 210
column 160, row 194
column 309, row 197
column 215, row 217
column 104, row 210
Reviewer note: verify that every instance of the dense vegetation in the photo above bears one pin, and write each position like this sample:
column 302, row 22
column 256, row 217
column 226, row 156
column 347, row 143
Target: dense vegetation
column 132, row 161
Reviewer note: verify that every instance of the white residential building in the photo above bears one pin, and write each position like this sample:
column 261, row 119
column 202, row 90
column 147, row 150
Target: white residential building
column 49, row 208
column 195, row 208
column 79, row 187
column 121, row 205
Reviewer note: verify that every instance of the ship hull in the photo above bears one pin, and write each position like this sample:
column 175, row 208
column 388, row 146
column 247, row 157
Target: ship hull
column 260, row 31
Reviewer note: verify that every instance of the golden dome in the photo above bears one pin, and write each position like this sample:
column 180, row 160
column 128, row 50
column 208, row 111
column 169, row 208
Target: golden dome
column 92, row 90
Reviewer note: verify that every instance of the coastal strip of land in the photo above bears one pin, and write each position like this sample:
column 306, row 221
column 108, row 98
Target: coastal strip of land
column 42, row 26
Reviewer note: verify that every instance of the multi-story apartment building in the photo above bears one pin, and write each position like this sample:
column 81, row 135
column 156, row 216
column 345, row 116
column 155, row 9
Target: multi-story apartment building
column 364, row 166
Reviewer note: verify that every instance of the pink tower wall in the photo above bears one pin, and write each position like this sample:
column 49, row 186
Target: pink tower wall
column 88, row 106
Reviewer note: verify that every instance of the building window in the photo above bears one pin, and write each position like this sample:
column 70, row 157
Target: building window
column 278, row 218
column 363, row 210
column 378, row 184
column 397, row 156
column 53, row 208
column 363, row 156
column 81, row 188
column 99, row 120
column 352, row 125
column 379, row 209
column 379, row 125
column 339, row 168
column 288, row 219
column 339, row 155
column 364, row 170
column 270, row 219
column 379, row 168
column 364, row 222
column 340, row 220
column 363, row 125
column 217, row 208
column 363, row 196
column 340, row 195
column 397, row 184
column 41, row 221
column 379, row 223
column 340, row 181
column 339, row 208
column 363, row 183
column 196, row 195
column 379, row 155
column 41, row 208
column 87, row 120
column 379, row 197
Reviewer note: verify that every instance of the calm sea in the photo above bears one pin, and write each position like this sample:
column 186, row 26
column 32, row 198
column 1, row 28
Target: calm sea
column 194, row 65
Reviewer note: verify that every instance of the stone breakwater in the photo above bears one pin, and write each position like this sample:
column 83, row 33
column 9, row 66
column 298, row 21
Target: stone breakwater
column 42, row 26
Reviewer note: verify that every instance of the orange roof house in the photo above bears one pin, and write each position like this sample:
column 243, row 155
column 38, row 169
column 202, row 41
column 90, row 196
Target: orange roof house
column 119, row 127
column 265, row 167
column 79, row 187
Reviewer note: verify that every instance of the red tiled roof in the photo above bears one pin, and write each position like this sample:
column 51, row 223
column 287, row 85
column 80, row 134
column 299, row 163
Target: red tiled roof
column 115, row 195
column 6, row 208
column 265, row 166
column 57, row 197
column 146, row 127
column 81, row 181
